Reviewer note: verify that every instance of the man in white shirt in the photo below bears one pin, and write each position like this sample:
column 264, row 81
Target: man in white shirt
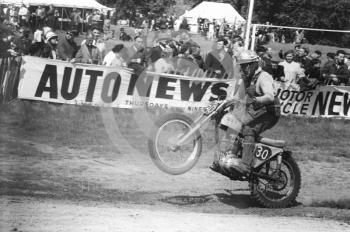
column 292, row 70
column 114, row 57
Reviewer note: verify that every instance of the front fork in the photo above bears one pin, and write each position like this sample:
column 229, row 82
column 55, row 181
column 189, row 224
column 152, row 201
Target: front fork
column 279, row 163
column 278, row 169
column 197, row 124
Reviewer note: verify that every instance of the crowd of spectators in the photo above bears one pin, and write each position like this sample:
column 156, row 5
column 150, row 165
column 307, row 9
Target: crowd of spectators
column 33, row 17
column 305, row 67
column 180, row 55
column 218, row 28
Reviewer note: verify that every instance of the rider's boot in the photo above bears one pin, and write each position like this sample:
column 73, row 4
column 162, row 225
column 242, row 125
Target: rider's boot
column 221, row 157
column 215, row 165
column 243, row 165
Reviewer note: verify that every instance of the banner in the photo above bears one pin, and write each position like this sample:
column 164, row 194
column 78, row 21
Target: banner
column 63, row 82
column 325, row 101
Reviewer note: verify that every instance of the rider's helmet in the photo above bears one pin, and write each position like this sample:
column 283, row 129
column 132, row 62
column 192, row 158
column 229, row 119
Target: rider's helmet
column 249, row 63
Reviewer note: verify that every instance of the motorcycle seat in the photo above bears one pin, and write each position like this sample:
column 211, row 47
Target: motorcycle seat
column 272, row 142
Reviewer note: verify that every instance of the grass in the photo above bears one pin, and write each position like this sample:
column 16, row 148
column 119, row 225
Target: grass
column 68, row 125
column 338, row 204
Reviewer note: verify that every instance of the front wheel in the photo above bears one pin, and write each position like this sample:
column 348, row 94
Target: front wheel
column 166, row 155
column 279, row 193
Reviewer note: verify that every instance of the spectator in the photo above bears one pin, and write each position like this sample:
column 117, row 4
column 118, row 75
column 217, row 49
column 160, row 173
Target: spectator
column 88, row 20
column 197, row 58
column 313, row 76
column 38, row 43
column 165, row 63
column 218, row 62
column 300, row 56
column 97, row 42
column 88, row 52
column 77, row 20
column 67, row 47
column 6, row 10
column 292, row 70
column 13, row 15
column 56, row 16
column 50, row 47
column 6, row 47
column 40, row 16
column 155, row 52
column 136, row 55
column 314, row 71
column 330, row 61
column 2, row 13
column 50, row 17
column 23, row 14
column 316, row 55
column 265, row 59
column 184, row 25
column 22, row 42
column 123, row 36
column 299, row 36
column 115, row 57
column 337, row 73
column 211, row 31
column 186, row 63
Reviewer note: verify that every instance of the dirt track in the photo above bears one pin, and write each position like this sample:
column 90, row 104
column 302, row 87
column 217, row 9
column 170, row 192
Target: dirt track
column 46, row 188
column 46, row 215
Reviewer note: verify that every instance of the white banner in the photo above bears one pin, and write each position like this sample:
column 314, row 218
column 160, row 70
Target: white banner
column 325, row 101
column 63, row 82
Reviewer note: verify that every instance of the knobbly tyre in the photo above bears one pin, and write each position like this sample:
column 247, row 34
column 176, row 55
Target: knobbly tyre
column 274, row 180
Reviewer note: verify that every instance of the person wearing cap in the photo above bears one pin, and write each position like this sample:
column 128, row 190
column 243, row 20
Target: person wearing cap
column 67, row 47
column 50, row 47
column 262, row 109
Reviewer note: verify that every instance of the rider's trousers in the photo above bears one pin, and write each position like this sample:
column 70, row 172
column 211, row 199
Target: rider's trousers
column 252, row 129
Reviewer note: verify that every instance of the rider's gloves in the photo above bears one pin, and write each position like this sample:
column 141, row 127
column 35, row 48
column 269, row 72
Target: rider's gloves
column 252, row 101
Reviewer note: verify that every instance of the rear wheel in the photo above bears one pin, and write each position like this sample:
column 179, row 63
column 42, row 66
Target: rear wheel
column 281, row 192
column 163, row 150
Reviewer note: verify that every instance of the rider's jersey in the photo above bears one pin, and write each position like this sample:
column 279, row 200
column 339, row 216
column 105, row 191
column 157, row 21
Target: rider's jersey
column 263, row 85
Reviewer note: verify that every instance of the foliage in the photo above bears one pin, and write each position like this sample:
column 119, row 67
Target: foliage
column 325, row 14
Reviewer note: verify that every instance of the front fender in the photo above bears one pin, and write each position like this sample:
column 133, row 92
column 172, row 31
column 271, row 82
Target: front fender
column 286, row 154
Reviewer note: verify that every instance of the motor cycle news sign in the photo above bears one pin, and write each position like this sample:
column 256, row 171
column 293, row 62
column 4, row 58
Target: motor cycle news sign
column 63, row 82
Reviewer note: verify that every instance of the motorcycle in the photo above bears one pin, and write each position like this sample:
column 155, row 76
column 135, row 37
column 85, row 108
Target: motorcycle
column 175, row 146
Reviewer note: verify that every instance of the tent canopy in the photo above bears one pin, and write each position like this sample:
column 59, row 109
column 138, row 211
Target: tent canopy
column 215, row 10
column 86, row 4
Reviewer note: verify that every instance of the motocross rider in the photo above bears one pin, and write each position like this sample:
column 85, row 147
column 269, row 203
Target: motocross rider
column 262, row 108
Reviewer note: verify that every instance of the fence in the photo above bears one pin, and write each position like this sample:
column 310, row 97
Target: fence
column 9, row 78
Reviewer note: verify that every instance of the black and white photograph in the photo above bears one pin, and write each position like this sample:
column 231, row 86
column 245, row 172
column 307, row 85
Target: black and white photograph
column 174, row 116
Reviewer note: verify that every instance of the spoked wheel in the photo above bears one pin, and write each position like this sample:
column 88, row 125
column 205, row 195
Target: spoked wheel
column 165, row 153
column 281, row 192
